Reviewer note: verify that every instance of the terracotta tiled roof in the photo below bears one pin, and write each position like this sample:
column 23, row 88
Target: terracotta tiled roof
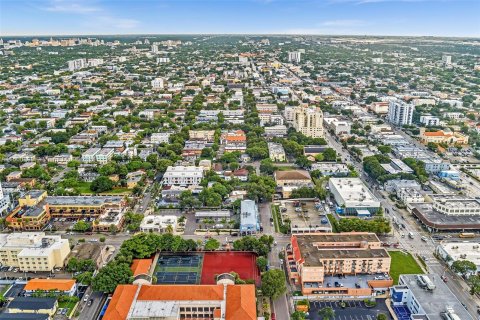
column 122, row 299
column 140, row 266
column 241, row 304
column 49, row 284
column 181, row 292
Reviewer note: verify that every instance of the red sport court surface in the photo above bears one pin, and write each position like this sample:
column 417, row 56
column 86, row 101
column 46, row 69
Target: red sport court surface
column 243, row 263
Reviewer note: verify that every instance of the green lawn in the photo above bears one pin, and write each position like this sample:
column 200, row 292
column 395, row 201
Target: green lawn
column 84, row 188
column 276, row 216
column 403, row 264
column 333, row 221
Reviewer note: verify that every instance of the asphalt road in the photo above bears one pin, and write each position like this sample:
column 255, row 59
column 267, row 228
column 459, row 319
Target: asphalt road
column 416, row 246
column 91, row 312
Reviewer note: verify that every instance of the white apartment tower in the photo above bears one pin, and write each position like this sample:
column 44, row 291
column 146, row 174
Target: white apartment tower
column 157, row 83
column 154, row 48
column 400, row 113
column 77, row 64
column 309, row 121
column 447, row 60
column 294, row 56
column 4, row 201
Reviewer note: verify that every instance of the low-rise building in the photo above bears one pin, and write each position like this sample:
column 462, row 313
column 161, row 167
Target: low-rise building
column 249, row 223
column 224, row 300
column 89, row 155
column 430, row 121
column 104, row 155
column 66, row 287
column 62, row 159
column 276, row 152
column 276, row 131
column 314, row 260
column 160, row 137
column 182, row 175
column 427, row 297
column 460, row 251
column 334, row 169
column 83, row 206
column 442, row 136
column 353, row 197
column 33, row 251
column 158, row 223
column 30, row 305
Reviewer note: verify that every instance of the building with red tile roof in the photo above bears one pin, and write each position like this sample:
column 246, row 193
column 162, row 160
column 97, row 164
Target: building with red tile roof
column 221, row 301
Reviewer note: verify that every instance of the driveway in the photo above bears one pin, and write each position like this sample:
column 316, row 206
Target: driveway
column 355, row 310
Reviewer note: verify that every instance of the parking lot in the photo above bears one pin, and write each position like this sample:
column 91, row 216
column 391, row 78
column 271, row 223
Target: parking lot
column 354, row 310
column 305, row 216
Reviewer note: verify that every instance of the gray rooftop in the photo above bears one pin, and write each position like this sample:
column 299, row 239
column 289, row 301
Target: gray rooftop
column 82, row 200
column 436, row 301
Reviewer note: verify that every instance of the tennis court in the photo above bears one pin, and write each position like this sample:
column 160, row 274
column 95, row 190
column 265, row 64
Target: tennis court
column 243, row 263
column 402, row 312
column 179, row 269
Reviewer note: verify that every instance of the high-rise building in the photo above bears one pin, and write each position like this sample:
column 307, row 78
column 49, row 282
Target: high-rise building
column 309, row 121
column 154, row 48
column 400, row 113
column 447, row 60
column 294, row 56
column 4, row 201
column 77, row 64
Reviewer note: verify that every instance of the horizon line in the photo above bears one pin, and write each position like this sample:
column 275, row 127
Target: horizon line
column 239, row 34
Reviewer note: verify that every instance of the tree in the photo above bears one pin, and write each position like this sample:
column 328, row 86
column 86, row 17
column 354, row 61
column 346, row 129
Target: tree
column 330, row 154
column 464, row 267
column 474, row 282
column 82, row 226
column 212, row 244
column 327, row 313
column 385, row 149
column 382, row 316
column 262, row 263
column 101, row 184
column 85, row 278
column 110, row 276
column 303, row 162
column 273, row 283
column 298, row 315
column 266, row 166
column 188, row 201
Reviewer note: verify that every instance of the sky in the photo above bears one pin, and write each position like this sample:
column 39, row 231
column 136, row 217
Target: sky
column 325, row 17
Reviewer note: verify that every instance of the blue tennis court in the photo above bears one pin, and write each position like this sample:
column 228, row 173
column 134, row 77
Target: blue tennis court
column 402, row 312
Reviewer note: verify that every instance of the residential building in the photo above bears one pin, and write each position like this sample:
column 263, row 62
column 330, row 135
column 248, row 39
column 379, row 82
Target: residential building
column 430, row 121
column 77, row 64
column 249, row 219
column 66, row 287
column 31, row 305
column 447, row 60
column 353, row 197
column 160, row 137
column 89, row 155
column 314, row 260
column 400, row 113
column 61, row 159
column 158, row 223
column 334, row 169
column 234, row 141
column 427, row 297
column 409, row 195
column 379, row 107
column 104, row 155
column 182, row 175
column 294, row 56
column 81, row 207
column 276, row 152
column 4, row 201
column 309, row 121
column 33, row 251
column 276, row 131
column 290, row 180
column 207, row 135
column 224, row 300
column 157, row 83
column 339, row 127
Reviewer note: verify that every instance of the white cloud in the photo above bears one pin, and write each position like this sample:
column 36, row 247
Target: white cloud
column 71, row 7
column 343, row 23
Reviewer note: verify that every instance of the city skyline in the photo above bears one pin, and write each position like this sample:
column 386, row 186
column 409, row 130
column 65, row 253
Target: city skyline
column 319, row 17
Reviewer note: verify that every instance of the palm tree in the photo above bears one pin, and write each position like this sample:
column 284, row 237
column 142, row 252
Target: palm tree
column 169, row 228
column 326, row 313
